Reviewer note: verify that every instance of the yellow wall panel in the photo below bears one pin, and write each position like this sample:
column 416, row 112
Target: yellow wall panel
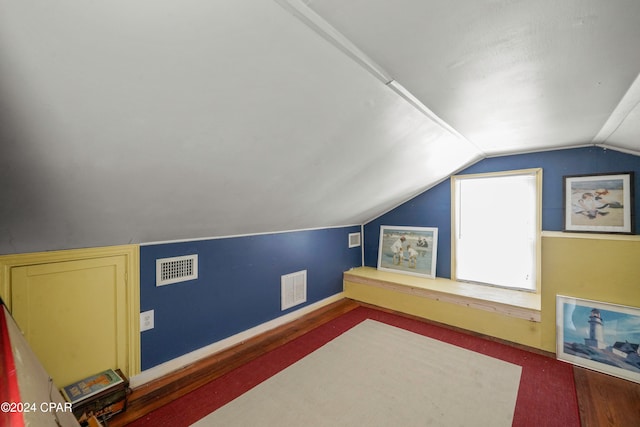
column 595, row 267
column 590, row 266
column 73, row 314
column 493, row 324
column 79, row 309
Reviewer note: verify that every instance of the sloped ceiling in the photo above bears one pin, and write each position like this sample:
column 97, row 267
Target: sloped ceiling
column 156, row 120
column 510, row 76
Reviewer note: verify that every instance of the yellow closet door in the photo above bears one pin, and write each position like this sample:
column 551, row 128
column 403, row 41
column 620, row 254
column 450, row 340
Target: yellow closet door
column 74, row 315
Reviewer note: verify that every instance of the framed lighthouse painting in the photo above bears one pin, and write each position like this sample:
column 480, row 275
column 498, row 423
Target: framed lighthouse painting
column 600, row 336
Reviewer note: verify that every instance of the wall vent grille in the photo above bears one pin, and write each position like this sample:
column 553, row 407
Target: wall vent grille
column 176, row 269
column 354, row 240
column 294, row 289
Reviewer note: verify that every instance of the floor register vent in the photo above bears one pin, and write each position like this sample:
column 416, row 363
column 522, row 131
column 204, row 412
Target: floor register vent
column 176, row 269
column 294, row 289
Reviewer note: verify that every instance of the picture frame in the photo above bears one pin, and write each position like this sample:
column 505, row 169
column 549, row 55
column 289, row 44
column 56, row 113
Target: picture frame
column 599, row 203
column 600, row 336
column 408, row 250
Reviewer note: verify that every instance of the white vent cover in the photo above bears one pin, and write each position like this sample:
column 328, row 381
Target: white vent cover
column 294, row 289
column 176, row 269
column 354, row 240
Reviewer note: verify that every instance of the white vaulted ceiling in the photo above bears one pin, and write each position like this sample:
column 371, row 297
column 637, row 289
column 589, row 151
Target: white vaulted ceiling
column 510, row 76
column 154, row 120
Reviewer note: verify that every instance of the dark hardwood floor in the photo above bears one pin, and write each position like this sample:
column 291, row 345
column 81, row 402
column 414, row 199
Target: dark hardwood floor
column 603, row 400
column 606, row 401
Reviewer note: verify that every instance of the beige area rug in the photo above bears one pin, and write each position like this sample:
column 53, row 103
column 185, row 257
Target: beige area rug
column 379, row 375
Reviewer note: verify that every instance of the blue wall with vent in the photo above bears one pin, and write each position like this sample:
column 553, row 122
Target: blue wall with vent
column 238, row 285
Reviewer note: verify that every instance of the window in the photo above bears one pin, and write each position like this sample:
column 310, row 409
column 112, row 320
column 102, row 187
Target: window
column 497, row 228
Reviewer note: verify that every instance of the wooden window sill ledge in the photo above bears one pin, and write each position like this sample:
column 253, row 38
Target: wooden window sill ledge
column 508, row 302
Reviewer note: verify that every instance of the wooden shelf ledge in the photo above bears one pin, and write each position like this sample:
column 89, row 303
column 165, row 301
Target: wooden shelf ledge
column 513, row 303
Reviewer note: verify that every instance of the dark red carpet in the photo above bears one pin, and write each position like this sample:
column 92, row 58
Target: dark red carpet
column 546, row 397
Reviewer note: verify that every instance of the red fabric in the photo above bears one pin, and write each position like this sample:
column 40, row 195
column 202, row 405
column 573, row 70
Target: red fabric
column 547, row 394
column 9, row 388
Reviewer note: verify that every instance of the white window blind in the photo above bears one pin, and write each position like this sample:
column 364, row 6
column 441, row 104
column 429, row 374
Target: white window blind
column 496, row 228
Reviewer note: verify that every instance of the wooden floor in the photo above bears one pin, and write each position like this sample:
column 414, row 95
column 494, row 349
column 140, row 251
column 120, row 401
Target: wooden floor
column 603, row 400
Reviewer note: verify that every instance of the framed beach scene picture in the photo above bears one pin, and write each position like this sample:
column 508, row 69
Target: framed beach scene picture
column 408, row 250
column 600, row 336
column 601, row 203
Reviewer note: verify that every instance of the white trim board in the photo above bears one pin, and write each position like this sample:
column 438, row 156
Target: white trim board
column 232, row 236
column 173, row 365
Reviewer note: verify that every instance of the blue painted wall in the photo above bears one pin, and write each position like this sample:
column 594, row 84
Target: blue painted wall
column 433, row 207
column 238, row 285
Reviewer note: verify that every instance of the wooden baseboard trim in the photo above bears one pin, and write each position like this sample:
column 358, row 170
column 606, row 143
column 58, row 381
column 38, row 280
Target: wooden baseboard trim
column 157, row 393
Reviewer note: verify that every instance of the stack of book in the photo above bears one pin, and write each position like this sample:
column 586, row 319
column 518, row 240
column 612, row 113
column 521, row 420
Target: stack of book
column 101, row 395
